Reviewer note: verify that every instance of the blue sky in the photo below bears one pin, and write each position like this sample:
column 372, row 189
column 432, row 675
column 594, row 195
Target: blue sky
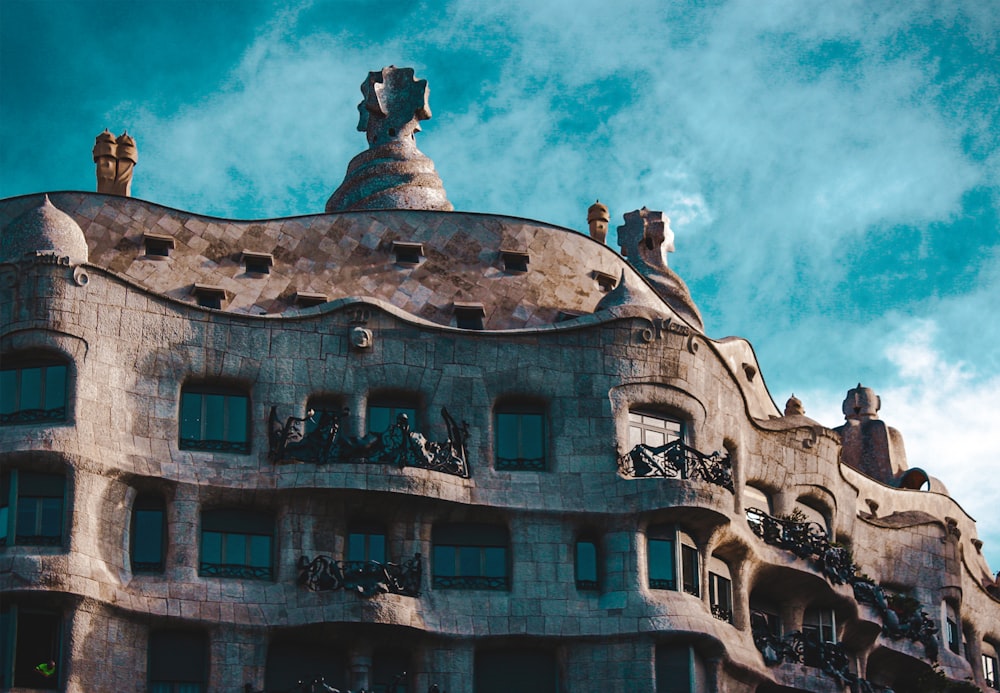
column 831, row 170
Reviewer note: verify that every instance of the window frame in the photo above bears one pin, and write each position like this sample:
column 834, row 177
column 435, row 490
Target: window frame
column 519, row 413
column 183, row 660
column 15, row 498
column 644, row 432
column 366, row 530
column 203, row 419
column 148, row 502
column 585, row 584
column 665, row 534
column 467, row 541
column 722, row 608
column 825, row 623
column 13, row 671
column 12, row 375
column 235, row 525
column 394, row 405
column 990, row 674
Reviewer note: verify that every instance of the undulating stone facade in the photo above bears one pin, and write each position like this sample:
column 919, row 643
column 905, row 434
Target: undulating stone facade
column 404, row 448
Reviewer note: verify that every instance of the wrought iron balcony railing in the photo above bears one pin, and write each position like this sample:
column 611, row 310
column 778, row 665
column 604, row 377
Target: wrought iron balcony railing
column 398, row 445
column 367, row 578
column 808, row 540
column 675, row 460
column 233, row 570
column 722, row 614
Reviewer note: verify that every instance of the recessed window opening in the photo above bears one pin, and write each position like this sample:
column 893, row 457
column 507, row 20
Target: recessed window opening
column 148, row 534
column 408, row 253
column 720, row 590
column 952, row 635
column 661, row 557
column 809, row 508
column 31, row 508
column 214, row 419
column 652, row 428
column 32, row 390
column 525, row 670
column 178, row 661
column 31, row 644
column 606, row 282
column 520, row 438
column 257, row 263
column 820, row 622
column 157, row 245
column 470, row 556
column 236, row 543
column 366, row 542
column 754, row 497
column 514, row 261
column 469, row 316
column 385, row 411
column 586, row 565
column 209, row 296
column 689, row 569
column 990, row 671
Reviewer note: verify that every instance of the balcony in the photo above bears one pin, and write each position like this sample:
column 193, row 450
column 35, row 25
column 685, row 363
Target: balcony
column 675, row 460
column 367, row 578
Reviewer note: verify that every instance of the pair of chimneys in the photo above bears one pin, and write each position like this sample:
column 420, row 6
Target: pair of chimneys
column 115, row 159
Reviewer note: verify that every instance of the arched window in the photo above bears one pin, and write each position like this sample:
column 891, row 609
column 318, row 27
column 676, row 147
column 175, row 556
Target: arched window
column 33, row 389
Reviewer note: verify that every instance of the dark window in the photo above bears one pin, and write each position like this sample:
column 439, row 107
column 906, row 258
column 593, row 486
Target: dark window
column 30, row 648
column 953, row 637
column 257, row 263
column 147, row 540
column 765, row 618
column 689, row 570
column 209, row 296
column 158, row 246
column 514, row 261
column 178, row 661
column 215, row 420
column 366, row 543
column 990, row 671
column 382, row 416
column 606, row 282
column 306, row 299
column 470, row 557
column 304, row 659
column 586, row 565
column 31, row 508
column 408, row 253
column 32, row 391
column 720, row 593
column 469, row 316
column 679, row 669
column 661, row 557
column 520, row 439
column 653, row 429
column 389, row 671
column 523, row 670
column 236, row 543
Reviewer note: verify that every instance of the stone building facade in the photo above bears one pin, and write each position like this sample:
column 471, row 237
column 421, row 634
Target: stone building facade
column 400, row 447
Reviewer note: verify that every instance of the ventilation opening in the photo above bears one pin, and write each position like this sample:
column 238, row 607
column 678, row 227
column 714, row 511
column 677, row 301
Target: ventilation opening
column 157, row 246
column 257, row 263
column 607, row 282
column 514, row 261
column 307, row 299
column 469, row 316
column 408, row 253
column 209, row 296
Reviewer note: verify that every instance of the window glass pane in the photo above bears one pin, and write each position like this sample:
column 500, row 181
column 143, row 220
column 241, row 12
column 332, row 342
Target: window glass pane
column 444, row 561
column 378, row 419
column 51, row 520
column 27, row 516
column 586, row 561
column 495, row 560
column 8, row 391
column 661, row 560
column 234, row 549
column 376, row 548
column 356, row 547
column 506, row 436
column 469, row 560
column 655, row 438
column 237, row 432
column 31, row 389
column 191, row 416
column 55, row 387
column 532, row 436
column 689, row 564
column 211, row 547
column 215, row 417
column 260, row 551
column 147, row 536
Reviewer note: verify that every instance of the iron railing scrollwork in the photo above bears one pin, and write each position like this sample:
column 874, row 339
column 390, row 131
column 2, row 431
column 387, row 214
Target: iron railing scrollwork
column 675, row 460
column 367, row 578
column 235, row 570
column 241, row 446
column 318, row 684
column 31, row 416
column 469, row 582
column 398, row 445
column 722, row 614
column 808, row 540
column 808, row 649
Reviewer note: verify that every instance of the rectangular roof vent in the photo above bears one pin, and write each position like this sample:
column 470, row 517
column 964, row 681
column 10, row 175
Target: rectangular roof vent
column 469, row 316
column 209, row 296
column 408, row 253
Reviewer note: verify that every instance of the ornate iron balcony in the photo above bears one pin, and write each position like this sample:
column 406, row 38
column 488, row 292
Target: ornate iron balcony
column 234, row 570
column 367, row 578
column 25, row 416
column 469, row 582
column 675, row 460
column 722, row 614
column 398, row 445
